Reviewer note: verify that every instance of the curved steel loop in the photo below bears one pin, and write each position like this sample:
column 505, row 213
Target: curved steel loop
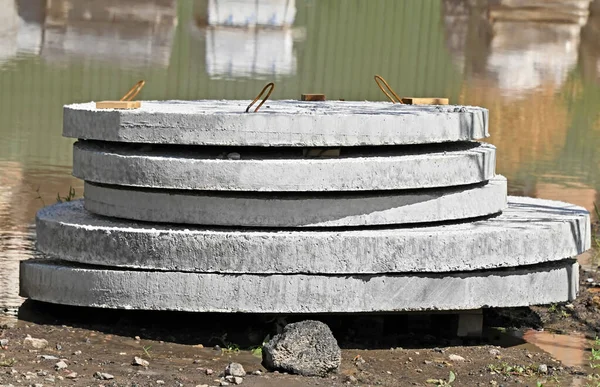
column 379, row 78
column 134, row 91
column 272, row 86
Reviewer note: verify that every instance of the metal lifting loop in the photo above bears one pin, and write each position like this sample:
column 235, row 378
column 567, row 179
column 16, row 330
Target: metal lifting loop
column 272, row 86
column 134, row 91
column 379, row 78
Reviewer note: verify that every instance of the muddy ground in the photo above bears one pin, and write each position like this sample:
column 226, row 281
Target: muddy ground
column 384, row 350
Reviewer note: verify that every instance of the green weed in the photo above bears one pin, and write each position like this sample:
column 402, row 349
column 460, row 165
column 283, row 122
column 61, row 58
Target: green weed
column 70, row 196
column 442, row 382
column 7, row 362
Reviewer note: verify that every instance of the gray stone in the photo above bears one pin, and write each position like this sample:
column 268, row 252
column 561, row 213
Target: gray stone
column 30, row 342
column 140, row 362
column 277, row 210
column 279, row 123
column 103, row 376
column 61, row 365
column 529, row 231
column 305, row 348
column 235, row 369
column 197, row 169
column 62, row 283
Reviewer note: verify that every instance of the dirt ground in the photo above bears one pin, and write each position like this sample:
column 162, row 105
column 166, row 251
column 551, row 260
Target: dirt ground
column 191, row 350
column 383, row 350
column 181, row 355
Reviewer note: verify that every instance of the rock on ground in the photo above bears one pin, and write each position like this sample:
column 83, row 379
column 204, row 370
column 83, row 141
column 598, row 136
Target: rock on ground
column 235, row 369
column 306, row 348
column 35, row 343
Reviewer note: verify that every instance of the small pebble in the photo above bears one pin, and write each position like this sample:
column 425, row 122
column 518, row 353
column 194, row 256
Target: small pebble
column 103, row 376
column 234, row 156
column 257, row 373
column 454, row 357
column 72, row 375
column 138, row 361
column 77, row 353
column 235, row 369
column 160, row 382
column 543, row 369
column 61, row 365
column 209, row 371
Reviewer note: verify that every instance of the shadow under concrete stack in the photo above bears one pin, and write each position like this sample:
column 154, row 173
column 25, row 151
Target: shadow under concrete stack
column 198, row 206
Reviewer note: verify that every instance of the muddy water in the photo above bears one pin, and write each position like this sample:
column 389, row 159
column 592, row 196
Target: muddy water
column 538, row 72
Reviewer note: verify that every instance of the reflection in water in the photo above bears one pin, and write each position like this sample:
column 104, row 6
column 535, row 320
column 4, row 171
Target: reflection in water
column 492, row 40
column 524, row 62
column 133, row 33
column 248, row 39
column 22, row 193
column 570, row 350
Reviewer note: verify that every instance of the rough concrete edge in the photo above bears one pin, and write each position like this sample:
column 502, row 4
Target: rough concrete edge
column 51, row 281
column 102, row 166
column 68, row 234
column 109, row 127
column 210, row 209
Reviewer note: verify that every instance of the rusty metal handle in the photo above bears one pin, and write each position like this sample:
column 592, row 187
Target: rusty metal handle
column 272, row 87
column 134, row 91
column 378, row 79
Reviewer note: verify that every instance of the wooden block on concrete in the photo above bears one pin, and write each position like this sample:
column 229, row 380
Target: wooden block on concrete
column 118, row 104
column 425, row 101
column 312, row 97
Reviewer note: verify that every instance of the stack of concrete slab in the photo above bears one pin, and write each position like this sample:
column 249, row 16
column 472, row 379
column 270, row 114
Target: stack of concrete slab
column 301, row 207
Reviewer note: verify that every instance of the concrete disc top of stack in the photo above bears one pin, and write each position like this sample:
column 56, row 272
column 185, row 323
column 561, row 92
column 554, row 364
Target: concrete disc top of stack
column 285, row 123
column 210, row 163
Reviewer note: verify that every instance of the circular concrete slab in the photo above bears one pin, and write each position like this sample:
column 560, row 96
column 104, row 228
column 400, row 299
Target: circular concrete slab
column 278, row 123
column 293, row 210
column 201, row 169
column 56, row 282
column 529, row 231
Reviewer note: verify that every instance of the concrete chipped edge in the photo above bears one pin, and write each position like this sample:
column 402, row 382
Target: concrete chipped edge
column 136, row 169
column 331, row 210
column 283, row 123
column 55, row 282
column 529, row 231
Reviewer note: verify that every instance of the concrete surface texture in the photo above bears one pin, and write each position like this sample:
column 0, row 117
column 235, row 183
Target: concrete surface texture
column 529, row 231
column 277, row 123
column 61, row 283
column 359, row 170
column 292, row 210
